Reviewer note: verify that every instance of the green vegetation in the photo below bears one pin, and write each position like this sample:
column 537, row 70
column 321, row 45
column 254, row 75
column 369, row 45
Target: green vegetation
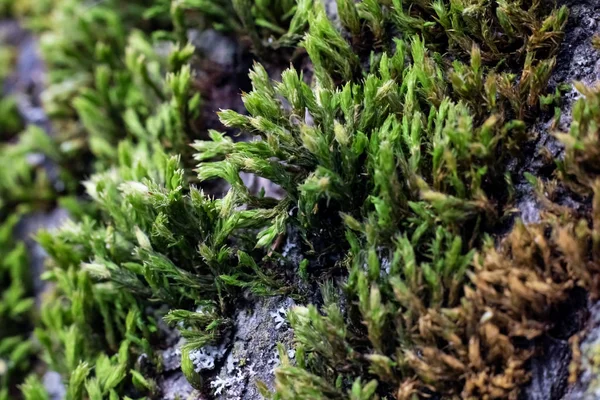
column 24, row 186
column 268, row 25
column 16, row 309
column 392, row 150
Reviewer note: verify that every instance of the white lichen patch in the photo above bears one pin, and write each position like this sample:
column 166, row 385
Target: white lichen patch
column 279, row 316
column 289, row 247
column 274, row 361
column 204, row 309
column 386, row 265
column 221, row 385
column 204, row 358
column 291, row 353
column 251, row 371
column 230, row 364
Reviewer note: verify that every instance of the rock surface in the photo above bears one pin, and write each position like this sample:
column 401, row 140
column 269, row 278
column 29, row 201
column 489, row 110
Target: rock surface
column 26, row 229
column 247, row 355
column 588, row 384
column 27, row 81
column 576, row 61
column 258, row 327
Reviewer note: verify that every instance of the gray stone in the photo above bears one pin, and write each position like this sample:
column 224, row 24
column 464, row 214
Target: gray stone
column 258, row 327
column 29, row 225
column 217, row 47
column 588, row 384
column 549, row 371
column 53, row 383
column 577, row 60
column 175, row 386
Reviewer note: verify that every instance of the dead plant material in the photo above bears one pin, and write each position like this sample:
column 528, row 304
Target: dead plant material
column 514, row 289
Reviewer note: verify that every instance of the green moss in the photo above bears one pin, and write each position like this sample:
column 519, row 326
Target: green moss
column 390, row 157
column 158, row 241
column 16, row 309
column 269, row 25
column 407, row 165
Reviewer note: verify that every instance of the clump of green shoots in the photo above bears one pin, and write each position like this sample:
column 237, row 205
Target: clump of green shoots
column 114, row 86
column 403, row 165
column 16, row 309
column 579, row 169
column 157, row 241
column 391, row 170
column 268, row 24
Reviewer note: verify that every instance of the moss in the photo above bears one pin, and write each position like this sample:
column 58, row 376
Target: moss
column 16, row 310
column 268, row 25
column 596, row 41
column 389, row 150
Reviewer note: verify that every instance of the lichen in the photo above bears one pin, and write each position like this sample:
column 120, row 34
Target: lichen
column 279, row 318
column 205, row 357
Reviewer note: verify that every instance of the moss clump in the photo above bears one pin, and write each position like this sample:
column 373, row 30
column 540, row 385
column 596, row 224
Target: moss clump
column 23, row 186
column 158, row 242
column 405, row 167
column 579, row 169
column 390, row 150
column 269, row 25
column 16, row 310
column 115, row 85
column 102, row 310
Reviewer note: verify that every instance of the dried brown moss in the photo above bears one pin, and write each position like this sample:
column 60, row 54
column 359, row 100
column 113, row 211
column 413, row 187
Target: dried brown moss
column 487, row 341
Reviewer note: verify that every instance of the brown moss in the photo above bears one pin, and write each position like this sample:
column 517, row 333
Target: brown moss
column 485, row 342
column 488, row 339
